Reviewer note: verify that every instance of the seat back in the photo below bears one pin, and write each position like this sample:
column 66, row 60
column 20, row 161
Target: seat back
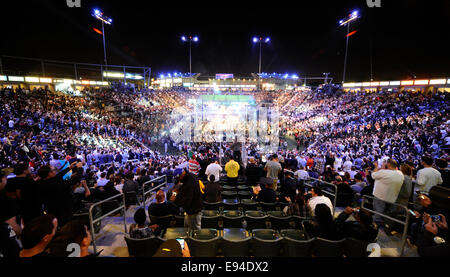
column 232, row 219
column 266, row 243
column 268, row 206
column 355, row 248
column 297, row 248
column 163, row 222
column 297, row 221
column 245, row 194
column 328, row 248
column 143, row 247
column 204, row 243
column 231, row 204
column 244, row 188
column 227, row 188
column 229, row 194
column 173, row 233
column 278, row 220
column 212, row 206
column 109, row 206
column 235, row 242
column 178, row 221
column 236, row 248
column 255, row 220
column 131, row 198
column 210, row 219
column 248, row 205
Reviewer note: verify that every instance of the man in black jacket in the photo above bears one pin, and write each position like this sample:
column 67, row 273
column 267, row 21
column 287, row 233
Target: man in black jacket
column 56, row 194
column 267, row 194
column 27, row 193
column 189, row 198
column 253, row 172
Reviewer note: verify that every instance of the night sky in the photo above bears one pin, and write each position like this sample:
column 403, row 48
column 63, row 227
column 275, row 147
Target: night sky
column 404, row 37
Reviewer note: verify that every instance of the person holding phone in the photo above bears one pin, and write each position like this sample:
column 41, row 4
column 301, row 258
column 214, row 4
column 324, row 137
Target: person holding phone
column 434, row 240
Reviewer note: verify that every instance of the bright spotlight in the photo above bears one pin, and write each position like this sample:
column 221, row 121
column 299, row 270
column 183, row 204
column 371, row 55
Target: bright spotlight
column 195, row 39
column 355, row 13
column 97, row 12
column 183, row 38
column 255, row 40
column 267, row 40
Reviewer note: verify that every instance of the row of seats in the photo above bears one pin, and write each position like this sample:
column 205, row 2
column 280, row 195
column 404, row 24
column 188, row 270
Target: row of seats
column 250, row 220
column 219, row 219
column 237, row 242
column 244, row 205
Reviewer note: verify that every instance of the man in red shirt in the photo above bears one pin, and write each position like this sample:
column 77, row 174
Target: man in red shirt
column 310, row 162
column 194, row 166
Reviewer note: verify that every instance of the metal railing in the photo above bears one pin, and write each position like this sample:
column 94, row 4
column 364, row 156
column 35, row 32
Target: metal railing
column 333, row 195
column 405, row 223
column 92, row 221
column 144, row 193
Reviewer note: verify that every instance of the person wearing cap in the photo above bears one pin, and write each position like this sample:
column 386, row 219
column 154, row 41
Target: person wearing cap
column 172, row 249
column 267, row 193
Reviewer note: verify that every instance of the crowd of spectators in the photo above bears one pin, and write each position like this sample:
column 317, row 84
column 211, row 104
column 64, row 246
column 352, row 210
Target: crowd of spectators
column 59, row 152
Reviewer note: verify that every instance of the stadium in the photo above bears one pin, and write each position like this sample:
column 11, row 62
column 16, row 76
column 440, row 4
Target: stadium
column 106, row 153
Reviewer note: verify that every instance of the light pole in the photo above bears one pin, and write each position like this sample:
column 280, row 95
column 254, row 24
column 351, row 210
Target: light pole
column 190, row 39
column 346, row 22
column 260, row 40
column 326, row 77
column 105, row 20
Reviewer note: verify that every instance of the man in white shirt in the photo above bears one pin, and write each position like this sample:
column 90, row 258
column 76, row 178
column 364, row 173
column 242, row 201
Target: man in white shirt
column 301, row 174
column 348, row 164
column 428, row 177
column 102, row 181
column 388, row 182
column 214, row 169
column 318, row 198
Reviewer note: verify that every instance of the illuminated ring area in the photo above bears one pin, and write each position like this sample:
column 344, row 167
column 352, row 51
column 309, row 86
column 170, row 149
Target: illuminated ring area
column 223, row 118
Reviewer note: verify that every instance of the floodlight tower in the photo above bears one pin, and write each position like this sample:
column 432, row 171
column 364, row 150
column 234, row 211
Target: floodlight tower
column 190, row 39
column 105, row 20
column 260, row 40
column 346, row 22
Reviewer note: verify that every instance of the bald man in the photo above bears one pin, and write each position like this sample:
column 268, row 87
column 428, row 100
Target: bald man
column 162, row 207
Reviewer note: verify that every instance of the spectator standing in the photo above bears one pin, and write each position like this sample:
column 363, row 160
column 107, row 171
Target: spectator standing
column 428, row 177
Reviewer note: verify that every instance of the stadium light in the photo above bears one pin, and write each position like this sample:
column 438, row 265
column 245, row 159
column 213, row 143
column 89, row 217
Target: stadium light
column 190, row 39
column 260, row 40
column 105, row 20
column 346, row 22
